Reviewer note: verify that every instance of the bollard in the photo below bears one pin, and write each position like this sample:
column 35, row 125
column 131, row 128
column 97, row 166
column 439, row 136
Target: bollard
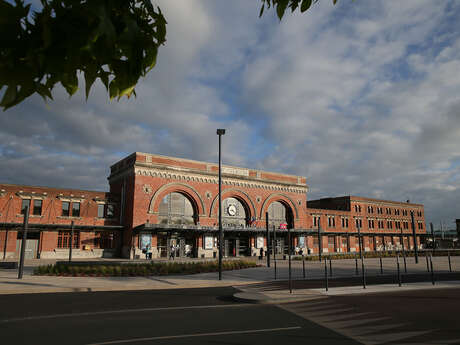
column 325, row 274
column 289, row 252
column 356, row 265
column 404, row 258
column 399, row 272
column 330, row 267
column 363, row 272
column 381, row 266
column 427, row 263
column 303, row 266
column 432, row 272
column 450, row 265
column 274, row 248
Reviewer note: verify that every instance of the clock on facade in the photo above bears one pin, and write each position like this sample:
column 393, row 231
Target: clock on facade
column 231, row 210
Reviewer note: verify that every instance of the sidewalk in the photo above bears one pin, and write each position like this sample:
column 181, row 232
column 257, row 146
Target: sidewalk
column 10, row 284
column 248, row 295
column 261, row 279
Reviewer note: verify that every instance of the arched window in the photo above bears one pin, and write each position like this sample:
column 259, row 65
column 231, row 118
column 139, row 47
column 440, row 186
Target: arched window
column 278, row 213
column 175, row 208
column 234, row 213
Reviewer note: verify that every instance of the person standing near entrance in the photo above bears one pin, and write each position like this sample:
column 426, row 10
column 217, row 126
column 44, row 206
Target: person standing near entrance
column 261, row 253
column 172, row 251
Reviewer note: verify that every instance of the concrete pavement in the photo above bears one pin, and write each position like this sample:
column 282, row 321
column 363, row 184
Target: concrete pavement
column 9, row 284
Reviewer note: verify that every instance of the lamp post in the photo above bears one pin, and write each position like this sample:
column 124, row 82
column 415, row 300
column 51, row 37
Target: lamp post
column 220, row 133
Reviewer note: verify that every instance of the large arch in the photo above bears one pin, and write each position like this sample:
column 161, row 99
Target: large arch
column 237, row 194
column 188, row 191
column 286, row 200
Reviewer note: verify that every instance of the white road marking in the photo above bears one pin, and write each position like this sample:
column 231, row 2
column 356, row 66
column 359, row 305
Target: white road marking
column 196, row 335
column 123, row 311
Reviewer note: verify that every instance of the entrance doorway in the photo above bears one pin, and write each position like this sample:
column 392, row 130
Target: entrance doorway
column 231, row 247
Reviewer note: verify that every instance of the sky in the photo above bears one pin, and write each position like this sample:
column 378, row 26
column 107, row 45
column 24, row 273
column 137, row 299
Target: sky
column 362, row 98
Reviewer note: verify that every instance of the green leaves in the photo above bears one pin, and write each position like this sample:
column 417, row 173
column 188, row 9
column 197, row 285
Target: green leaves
column 306, row 4
column 116, row 41
column 282, row 5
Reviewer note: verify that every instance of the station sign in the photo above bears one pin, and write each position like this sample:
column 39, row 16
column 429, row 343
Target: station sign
column 283, row 226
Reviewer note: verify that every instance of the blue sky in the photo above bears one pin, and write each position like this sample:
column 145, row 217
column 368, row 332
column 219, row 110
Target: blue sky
column 362, row 98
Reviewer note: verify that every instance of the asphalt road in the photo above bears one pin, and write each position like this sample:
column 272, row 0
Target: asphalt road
column 188, row 316
column 429, row 317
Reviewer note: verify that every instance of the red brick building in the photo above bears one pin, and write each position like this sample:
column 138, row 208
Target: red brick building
column 171, row 204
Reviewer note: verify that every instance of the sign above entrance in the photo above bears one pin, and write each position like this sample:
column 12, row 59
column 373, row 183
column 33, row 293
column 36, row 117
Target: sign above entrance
column 283, row 226
column 235, row 171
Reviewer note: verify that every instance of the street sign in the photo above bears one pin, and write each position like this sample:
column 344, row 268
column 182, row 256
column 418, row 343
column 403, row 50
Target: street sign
column 283, row 226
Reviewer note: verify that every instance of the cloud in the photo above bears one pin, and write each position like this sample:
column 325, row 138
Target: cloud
column 362, row 98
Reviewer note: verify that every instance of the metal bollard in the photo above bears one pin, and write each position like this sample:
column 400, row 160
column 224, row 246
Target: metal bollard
column 399, row 272
column 450, row 265
column 303, row 266
column 381, row 266
column 432, row 272
column 325, row 274
column 356, row 265
column 363, row 272
column 427, row 263
column 405, row 265
column 330, row 267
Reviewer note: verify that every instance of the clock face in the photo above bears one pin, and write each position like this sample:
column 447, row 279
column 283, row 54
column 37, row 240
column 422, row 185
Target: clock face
column 231, row 209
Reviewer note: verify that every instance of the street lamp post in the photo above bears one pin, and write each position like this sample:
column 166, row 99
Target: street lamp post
column 220, row 133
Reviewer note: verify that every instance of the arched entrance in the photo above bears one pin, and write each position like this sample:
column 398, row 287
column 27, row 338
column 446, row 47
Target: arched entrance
column 235, row 215
column 279, row 213
column 176, row 209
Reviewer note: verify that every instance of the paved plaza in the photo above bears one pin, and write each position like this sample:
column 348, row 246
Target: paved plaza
column 9, row 284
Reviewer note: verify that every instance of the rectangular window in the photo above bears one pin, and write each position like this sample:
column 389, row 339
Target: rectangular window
column 65, row 208
column 38, row 207
column 64, row 239
column 100, row 211
column 25, row 203
column 331, row 221
column 75, row 209
column 346, row 222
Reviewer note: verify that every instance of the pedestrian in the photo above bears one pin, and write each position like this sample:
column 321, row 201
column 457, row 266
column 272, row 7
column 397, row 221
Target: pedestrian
column 172, row 252
column 149, row 252
column 261, row 254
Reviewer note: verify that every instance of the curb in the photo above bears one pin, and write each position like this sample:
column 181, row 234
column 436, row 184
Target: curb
column 259, row 298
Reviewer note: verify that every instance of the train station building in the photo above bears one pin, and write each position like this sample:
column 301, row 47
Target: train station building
column 166, row 203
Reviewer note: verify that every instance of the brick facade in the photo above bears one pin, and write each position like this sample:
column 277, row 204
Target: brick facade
column 141, row 182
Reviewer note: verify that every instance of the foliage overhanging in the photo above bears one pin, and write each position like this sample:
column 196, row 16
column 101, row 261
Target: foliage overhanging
column 116, row 41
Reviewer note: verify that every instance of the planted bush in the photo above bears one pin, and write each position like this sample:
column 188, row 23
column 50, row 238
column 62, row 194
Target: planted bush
column 143, row 269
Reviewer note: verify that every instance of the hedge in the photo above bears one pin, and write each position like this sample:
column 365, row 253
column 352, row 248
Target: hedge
column 141, row 269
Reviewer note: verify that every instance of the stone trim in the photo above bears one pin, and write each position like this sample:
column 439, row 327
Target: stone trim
column 31, row 195
column 212, row 178
column 180, row 187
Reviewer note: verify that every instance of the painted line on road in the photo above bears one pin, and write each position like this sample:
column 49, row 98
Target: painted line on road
column 123, row 311
column 196, row 335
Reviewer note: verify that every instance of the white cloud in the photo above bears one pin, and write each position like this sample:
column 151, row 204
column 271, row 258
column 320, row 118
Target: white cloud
column 361, row 97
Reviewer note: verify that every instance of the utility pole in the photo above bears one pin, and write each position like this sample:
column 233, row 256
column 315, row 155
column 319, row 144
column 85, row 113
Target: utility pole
column 24, row 241
column 220, row 133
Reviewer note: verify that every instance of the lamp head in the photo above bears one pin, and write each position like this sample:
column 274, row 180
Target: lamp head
column 220, row 131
